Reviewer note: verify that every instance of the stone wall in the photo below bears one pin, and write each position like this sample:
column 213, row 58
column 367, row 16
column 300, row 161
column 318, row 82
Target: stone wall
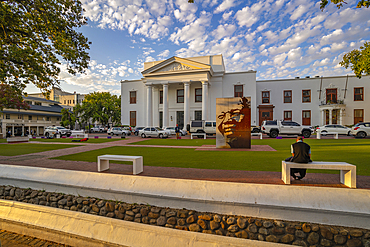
column 287, row 232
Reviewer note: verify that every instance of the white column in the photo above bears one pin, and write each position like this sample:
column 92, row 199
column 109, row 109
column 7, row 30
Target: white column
column 330, row 116
column 149, row 116
column 323, row 116
column 37, row 131
column 186, row 103
column 13, row 130
column 165, row 105
column 341, row 116
column 204, row 100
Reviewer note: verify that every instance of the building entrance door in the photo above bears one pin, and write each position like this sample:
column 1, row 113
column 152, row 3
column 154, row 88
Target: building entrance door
column 266, row 112
column 180, row 119
column 161, row 119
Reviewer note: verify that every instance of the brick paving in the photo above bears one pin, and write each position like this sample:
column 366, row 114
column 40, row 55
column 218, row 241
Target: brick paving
column 260, row 177
column 10, row 239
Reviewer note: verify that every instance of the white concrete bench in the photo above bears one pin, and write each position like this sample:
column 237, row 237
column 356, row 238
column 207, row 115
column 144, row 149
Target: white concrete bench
column 257, row 134
column 17, row 139
column 318, row 134
column 103, row 162
column 347, row 171
column 198, row 134
column 79, row 133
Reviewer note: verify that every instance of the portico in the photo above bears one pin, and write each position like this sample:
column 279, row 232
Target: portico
column 175, row 76
column 332, row 114
column 161, row 89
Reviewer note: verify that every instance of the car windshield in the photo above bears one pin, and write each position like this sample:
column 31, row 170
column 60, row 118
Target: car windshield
column 60, row 127
column 158, row 128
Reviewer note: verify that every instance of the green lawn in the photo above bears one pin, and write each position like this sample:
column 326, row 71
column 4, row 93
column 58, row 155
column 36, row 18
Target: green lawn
column 22, row 148
column 353, row 151
column 69, row 140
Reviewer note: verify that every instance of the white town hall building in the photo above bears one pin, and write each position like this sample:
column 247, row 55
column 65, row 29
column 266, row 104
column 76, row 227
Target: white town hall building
column 177, row 90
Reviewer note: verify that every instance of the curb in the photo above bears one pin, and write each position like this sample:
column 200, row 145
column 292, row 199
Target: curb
column 80, row 229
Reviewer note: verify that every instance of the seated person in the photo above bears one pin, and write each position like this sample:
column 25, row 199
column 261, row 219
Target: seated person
column 301, row 153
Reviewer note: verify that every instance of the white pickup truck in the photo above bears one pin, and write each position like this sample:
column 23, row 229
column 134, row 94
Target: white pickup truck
column 201, row 126
column 273, row 128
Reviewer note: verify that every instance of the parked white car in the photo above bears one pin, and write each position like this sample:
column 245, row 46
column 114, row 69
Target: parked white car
column 118, row 131
column 361, row 129
column 171, row 131
column 98, row 129
column 153, row 132
column 333, row 128
column 54, row 130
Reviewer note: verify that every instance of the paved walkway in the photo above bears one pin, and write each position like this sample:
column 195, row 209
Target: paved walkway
column 42, row 160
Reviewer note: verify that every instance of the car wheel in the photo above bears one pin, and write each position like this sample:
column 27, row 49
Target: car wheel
column 143, row 135
column 136, row 133
column 160, row 136
column 273, row 134
column 361, row 134
column 47, row 134
column 123, row 134
column 324, row 133
column 349, row 133
column 306, row 134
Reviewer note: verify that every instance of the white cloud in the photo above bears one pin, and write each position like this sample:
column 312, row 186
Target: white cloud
column 185, row 12
column 192, row 31
column 264, row 26
column 227, row 15
column 246, row 17
column 224, row 31
column 164, row 54
column 149, row 59
column 299, row 11
column 225, row 5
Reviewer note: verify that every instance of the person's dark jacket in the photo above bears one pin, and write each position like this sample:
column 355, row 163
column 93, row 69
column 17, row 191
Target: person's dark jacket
column 177, row 129
column 301, row 152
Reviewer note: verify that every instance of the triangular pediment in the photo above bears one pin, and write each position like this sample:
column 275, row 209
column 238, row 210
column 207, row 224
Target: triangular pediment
column 175, row 64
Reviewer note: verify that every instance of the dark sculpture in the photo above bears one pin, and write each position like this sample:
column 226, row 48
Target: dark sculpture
column 235, row 126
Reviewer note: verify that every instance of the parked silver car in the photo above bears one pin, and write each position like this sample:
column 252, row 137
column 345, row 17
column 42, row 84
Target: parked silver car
column 153, row 132
column 118, row 131
column 333, row 128
column 361, row 130
column 172, row 131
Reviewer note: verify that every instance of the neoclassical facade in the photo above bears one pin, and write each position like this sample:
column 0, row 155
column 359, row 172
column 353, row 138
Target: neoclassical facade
column 177, row 90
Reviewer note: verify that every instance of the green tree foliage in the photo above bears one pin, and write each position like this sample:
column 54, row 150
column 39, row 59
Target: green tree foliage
column 101, row 107
column 339, row 3
column 10, row 98
column 35, row 35
column 357, row 60
column 68, row 118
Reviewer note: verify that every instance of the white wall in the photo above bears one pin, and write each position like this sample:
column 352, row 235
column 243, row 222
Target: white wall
column 248, row 80
column 139, row 107
column 277, row 87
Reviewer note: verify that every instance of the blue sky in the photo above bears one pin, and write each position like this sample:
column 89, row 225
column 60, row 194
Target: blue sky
column 277, row 38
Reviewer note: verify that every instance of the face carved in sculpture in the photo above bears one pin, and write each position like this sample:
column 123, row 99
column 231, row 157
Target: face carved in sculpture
column 235, row 123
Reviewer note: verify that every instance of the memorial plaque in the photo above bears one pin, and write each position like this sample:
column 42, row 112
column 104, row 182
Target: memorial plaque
column 233, row 122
